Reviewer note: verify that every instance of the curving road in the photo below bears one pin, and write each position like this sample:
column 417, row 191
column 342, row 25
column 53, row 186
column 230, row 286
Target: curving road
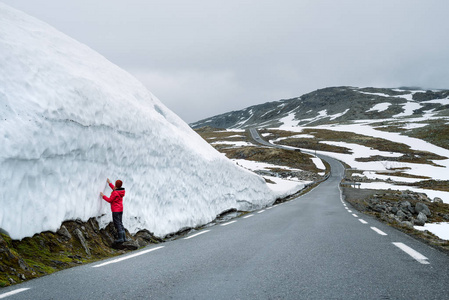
column 313, row 247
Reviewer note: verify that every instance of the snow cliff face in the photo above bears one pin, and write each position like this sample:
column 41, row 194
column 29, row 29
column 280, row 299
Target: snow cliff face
column 69, row 119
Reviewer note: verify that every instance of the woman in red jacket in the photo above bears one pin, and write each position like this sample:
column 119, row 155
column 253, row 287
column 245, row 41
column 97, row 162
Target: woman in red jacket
column 116, row 201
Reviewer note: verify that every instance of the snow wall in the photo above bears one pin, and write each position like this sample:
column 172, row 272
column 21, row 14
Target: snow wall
column 69, row 119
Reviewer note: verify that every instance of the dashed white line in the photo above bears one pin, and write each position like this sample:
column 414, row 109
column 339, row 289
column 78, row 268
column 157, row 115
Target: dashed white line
column 225, row 224
column 196, row 234
column 248, row 216
column 261, row 211
column 378, row 231
column 355, row 215
column 346, row 208
column 350, row 211
column 270, row 207
column 413, row 253
column 363, row 221
column 13, row 292
column 127, row 257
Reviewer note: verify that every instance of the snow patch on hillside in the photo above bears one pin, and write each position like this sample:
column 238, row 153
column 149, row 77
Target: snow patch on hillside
column 289, row 120
column 408, row 109
column 380, row 107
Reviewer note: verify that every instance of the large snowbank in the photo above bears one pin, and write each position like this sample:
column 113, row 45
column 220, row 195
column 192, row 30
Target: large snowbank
column 69, row 119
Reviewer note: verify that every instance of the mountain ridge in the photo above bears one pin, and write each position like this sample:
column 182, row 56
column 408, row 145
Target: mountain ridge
column 334, row 105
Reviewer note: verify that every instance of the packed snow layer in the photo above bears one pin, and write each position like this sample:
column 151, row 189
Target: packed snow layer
column 286, row 187
column 69, row 119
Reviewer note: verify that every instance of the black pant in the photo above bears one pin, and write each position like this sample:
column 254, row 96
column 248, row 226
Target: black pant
column 117, row 219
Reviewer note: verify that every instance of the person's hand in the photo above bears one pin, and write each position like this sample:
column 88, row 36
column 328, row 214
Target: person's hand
column 108, row 180
column 101, row 194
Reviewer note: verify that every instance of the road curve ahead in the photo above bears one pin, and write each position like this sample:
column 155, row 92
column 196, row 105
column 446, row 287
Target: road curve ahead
column 313, row 247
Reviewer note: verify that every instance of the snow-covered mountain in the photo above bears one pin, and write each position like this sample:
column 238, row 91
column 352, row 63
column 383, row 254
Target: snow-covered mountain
column 69, row 119
column 336, row 105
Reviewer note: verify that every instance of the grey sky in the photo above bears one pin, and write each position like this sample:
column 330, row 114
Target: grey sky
column 203, row 58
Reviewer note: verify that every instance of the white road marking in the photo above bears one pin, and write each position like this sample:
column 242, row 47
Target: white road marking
column 13, row 292
column 228, row 223
column 127, row 257
column 378, row 231
column 270, row 207
column 363, row 221
column 346, row 208
column 349, row 210
column 261, row 211
column 355, row 215
column 196, row 234
column 249, row 216
column 413, row 253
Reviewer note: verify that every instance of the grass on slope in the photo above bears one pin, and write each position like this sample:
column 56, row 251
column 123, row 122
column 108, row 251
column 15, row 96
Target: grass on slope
column 322, row 135
column 275, row 156
column 435, row 132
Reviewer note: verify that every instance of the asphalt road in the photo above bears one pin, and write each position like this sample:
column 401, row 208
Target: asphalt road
column 313, row 247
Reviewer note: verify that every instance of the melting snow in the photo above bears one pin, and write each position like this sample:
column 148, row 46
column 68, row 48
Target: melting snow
column 439, row 229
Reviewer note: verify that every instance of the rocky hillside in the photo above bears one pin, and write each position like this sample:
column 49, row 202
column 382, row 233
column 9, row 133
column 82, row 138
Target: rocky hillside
column 75, row 243
column 335, row 105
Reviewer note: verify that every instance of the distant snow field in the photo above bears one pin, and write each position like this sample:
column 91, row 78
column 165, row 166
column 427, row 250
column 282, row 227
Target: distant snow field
column 359, row 151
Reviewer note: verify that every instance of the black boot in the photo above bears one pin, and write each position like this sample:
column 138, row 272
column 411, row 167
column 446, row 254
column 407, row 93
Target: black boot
column 121, row 235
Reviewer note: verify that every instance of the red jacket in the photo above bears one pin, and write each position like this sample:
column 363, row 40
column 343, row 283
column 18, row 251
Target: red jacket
column 116, row 199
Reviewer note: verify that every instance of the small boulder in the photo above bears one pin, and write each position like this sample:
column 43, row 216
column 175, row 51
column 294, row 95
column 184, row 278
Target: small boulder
column 380, row 207
column 406, row 207
column 405, row 204
column 437, row 200
column 407, row 224
column 23, row 265
column 373, row 201
column 80, row 237
column 400, row 214
column 421, row 219
column 421, row 207
column 64, row 233
column 131, row 245
column 422, row 216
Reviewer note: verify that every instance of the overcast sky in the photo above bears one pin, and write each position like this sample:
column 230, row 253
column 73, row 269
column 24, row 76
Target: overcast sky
column 203, row 58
